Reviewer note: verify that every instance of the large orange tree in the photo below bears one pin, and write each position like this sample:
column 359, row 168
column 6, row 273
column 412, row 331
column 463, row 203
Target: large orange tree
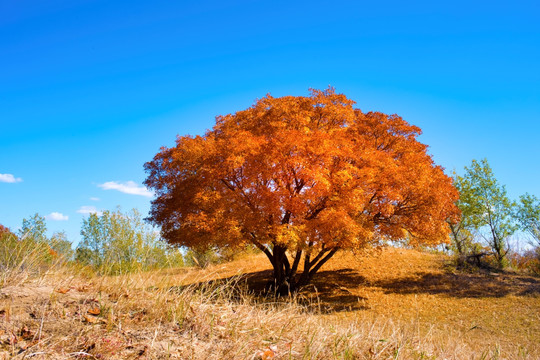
column 301, row 178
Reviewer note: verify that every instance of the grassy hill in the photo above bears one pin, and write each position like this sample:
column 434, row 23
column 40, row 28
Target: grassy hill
column 388, row 304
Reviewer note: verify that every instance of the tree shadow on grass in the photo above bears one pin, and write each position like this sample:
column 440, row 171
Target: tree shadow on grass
column 462, row 285
column 329, row 290
column 336, row 286
column 335, row 290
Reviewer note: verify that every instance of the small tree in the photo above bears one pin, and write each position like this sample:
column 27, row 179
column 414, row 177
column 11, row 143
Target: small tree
column 462, row 229
column 32, row 252
column 34, row 231
column 300, row 178
column 213, row 255
column 528, row 216
column 116, row 242
column 35, row 228
column 201, row 258
column 61, row 245
column 496, row 209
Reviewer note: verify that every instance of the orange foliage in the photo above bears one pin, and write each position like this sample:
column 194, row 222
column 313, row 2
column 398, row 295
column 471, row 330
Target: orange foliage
column 52, row 252
column 308, row 175
column 4, row 230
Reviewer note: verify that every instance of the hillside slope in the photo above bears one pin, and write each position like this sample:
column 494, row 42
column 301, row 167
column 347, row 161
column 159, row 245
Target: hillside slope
column 393, row 303
column 481, row 309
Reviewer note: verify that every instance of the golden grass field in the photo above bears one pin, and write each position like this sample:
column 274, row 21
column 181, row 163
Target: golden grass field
column 388, row 304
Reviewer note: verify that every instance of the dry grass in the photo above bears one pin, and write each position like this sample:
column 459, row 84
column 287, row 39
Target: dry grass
column 24, row 259
column 397, row 304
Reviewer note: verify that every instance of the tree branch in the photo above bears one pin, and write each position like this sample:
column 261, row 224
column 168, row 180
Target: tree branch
column 261, row 247
column 286, row 217
column 296, row 262
column 322, row 262
column 316, row 212
column 233, row 189
column 320, row 255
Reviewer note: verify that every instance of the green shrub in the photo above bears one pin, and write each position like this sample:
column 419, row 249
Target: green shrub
column 205, row 257
column 201, row 258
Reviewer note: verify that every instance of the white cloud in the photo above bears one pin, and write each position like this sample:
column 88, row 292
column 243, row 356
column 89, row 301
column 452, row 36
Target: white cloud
column 9, row 178
column 56, row 216
column 129, row 187
column 88, row 210
column 94, row 198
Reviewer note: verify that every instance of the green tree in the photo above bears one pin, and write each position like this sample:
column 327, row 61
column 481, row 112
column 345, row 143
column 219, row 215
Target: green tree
column 94, row 231
column 528, row 216
column 116, row 242
column 61, row 245
column 462, row 229
column 31, row 252
column 495, row 212
column 201, row 258
column 35, row 228
column 34, row 232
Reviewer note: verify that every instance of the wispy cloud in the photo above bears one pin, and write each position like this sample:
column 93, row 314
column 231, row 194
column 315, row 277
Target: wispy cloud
column 94, row 198
column 56, row 216
column 89, row 210
column 129, row 187
column 9, row 178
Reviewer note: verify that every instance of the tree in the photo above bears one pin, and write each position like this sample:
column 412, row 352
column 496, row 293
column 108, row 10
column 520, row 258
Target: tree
column 31, row 251
column 496, row 209
column 201, row 259
column 34, row 231
column 528, row 216
column 464, row 228
column 300, row 177
column 116, row 242
column 461, row 229
column 61, row 245
column 35, row 228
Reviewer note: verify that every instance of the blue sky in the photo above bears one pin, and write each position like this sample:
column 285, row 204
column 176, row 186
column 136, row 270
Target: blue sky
column 89, row 90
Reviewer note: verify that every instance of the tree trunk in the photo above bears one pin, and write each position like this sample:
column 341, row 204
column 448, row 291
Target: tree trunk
column 457, row 240
column 285, row 281
column 281, row 283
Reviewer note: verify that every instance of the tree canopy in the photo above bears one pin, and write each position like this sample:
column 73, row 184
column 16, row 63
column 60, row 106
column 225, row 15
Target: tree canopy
column 528, row 216
column 494, row 210
column 461, row 229
column 301, row 177
column 114, row 242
